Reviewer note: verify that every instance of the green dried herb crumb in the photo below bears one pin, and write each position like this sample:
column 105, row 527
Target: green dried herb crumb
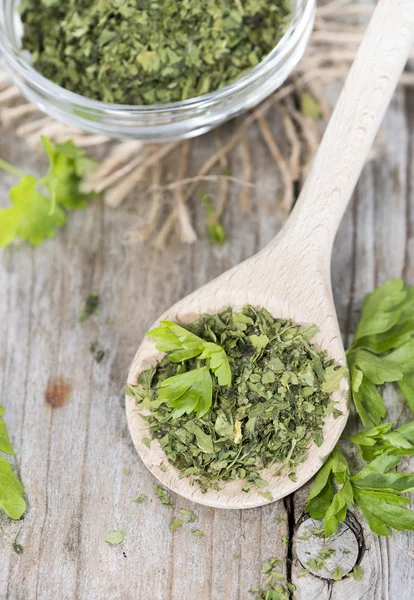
column 356, row 573
column 237, row 392
column 192, row 517
column 132, row 52
column 175, row 524
column 98, row 353
column 162, row 495
column 91, row 306
column 140, row 498
column 18, row 548
column 115, row 538
column 198, row 533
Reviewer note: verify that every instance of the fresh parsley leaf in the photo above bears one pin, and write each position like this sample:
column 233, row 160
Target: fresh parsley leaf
column 11, row 492
column 188, row 392
column 338, row 508
column 333, row 377
column 368, row 402
column 30, row 217
column 192, row 390
column 11, row 489
column 377, row 369
column 382, row 438
column 115, row 538
column 219, row 363
column 37, row 204
column 381, row 309
column 384, row 511
column 179, row 343
column 5, row 443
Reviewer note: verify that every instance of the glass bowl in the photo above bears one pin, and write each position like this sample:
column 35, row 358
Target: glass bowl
column 160, row 122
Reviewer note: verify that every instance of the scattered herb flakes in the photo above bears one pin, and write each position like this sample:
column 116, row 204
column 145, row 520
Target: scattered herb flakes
column 285, row 539
column 304, row 538
column 318, row 562
column 91, row 306
column 270, row 564
column 274, row 586
column 18, row 548
column 146, row 441
column 236, row 556
column 279, row 521
column 135, row 53
column 192, row 517
column 346, row 551
column 163, row 468
column 11, row 489
column 162, row 495
column 266, row 379
column 115, row 538
column 140, row 498
column 175, row 524
column 337, row 574
column 126, row 471
column 215, row 229
column 198, row 533
column 356, row 573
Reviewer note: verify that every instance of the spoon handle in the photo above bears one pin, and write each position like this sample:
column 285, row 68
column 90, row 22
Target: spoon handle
column 355, row 121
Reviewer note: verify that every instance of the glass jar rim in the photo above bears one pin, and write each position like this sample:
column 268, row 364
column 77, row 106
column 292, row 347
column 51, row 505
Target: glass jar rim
column 300, row 13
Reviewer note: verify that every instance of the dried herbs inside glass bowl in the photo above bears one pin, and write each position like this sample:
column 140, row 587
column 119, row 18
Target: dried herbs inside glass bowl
column 237, row 392
column 145, row 52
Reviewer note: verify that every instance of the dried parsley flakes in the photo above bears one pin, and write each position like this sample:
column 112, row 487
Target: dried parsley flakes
column 143, row 52
column 276, row 403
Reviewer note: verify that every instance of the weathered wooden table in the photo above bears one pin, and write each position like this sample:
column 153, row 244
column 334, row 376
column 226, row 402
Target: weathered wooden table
column 65, row 411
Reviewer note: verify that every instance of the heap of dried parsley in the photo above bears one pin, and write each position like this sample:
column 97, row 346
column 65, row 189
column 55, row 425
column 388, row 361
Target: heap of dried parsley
column 149, row 52
column 237, row 392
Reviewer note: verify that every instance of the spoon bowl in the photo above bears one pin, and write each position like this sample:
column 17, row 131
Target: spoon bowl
column 291, row 276
column 252, row 283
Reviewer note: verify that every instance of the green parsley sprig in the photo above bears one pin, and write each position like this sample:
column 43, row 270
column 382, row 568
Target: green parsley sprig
column 376, row 490
column 382, row 351
column 11, row 489
column 39, row 205
column 192, row 390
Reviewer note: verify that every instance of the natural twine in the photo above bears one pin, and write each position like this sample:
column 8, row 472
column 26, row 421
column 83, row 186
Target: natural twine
column 339, row 27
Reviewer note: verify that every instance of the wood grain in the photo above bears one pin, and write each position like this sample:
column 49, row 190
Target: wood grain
column 72, row 459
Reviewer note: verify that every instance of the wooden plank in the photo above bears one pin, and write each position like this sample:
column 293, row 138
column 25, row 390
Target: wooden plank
column 77, row 462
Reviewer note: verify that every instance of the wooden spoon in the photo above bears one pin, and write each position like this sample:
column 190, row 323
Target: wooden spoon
column 291, row 276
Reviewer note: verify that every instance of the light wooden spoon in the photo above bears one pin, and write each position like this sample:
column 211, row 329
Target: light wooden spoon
column 291, row 276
